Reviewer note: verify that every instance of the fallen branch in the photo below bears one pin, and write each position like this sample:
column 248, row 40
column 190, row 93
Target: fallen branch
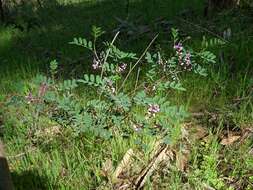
column 164, row 155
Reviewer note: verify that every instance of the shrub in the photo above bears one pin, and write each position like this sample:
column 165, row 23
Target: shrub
column 113, row 108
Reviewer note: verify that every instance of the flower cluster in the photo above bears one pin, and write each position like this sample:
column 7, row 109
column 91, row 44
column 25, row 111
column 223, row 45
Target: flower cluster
column 96, row 64
column 179, row 52
column 187, row 59
column 109, row 85
column 161, row 62
column 41, row 93
column 121, row 68
column 153, row 109
column 184, row 59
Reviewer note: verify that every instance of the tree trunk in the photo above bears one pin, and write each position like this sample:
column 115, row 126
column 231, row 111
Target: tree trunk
column 214, row 5
column 1, row 10
column 5, row 176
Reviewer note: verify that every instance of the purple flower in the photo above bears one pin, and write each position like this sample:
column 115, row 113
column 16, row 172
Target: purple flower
column 30, row 98
column 110, row 86
column 187, row 60
column 179, row 52
column 96, row 64
column 184, row 60
column 121, row 68
column 153, row 109
column 178, row 47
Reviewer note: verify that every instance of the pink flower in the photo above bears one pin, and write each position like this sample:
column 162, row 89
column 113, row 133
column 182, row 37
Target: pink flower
column 184, row 60
column 121, row 68
column 179, row 52
column 178, row 47
column 30, row 98
column 153, row 109
column 110, row 86
column 96, row 64
column 187, row 60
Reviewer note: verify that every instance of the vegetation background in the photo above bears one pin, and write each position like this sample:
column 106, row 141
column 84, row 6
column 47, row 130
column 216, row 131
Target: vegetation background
column 48, row 149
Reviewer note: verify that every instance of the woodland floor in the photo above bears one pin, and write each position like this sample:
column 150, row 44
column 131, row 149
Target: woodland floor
column 219, row 140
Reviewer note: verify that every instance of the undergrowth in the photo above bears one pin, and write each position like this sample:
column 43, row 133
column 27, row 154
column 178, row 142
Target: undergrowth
column 75, row 132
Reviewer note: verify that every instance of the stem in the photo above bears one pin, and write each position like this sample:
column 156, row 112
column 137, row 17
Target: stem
column 106, row 57
column 137, row 79
column 94, row 49
column 138, row 61
column 108, row 52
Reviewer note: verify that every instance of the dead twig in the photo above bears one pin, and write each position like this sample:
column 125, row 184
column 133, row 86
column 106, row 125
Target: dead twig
column 164, row 155
column 202, row 28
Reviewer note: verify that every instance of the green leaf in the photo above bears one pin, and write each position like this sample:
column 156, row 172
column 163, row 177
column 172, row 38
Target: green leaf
column 149, row 58
column 92, row 78
column 86, row 78
column 177, row 86
column 175, row 34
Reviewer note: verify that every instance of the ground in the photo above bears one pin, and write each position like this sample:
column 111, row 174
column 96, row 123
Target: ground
column 45, row 153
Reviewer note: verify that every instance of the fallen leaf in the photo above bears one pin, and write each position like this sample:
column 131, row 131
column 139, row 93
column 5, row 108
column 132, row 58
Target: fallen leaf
column 200, row 132
column 124, row 164
column 230, row 140
column 182, row 159
column 185, row 133
column 194, row 131
column 207, row 187
column 107, row 168
column 164, row 155
column 246, row 133
column 181, row 162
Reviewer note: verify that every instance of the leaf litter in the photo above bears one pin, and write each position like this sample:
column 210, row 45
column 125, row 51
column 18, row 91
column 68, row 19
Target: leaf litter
column 131, row 173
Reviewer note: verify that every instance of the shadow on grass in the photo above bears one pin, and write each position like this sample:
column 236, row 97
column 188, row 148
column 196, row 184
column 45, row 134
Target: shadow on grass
column 37, row 36
column 30, row 180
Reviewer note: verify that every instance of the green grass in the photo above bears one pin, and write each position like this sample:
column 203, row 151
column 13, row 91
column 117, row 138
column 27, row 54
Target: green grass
column 70, row 162
column 33, row 50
